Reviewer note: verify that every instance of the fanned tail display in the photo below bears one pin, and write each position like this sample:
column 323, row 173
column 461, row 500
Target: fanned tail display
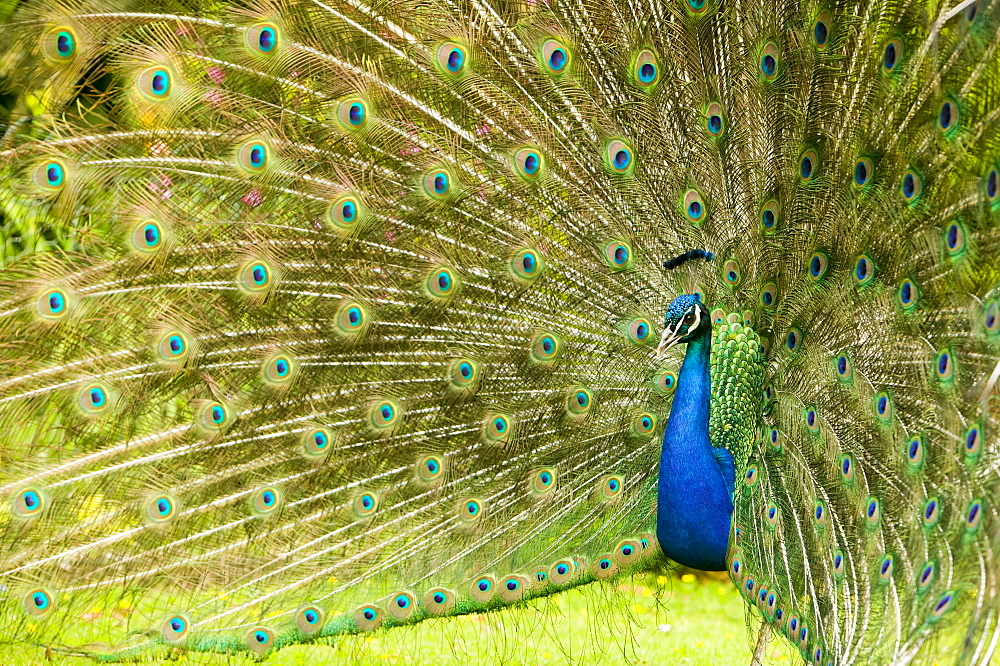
column 375, row 309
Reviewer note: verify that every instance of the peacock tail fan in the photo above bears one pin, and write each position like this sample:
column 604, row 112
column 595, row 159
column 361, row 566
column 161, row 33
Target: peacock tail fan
column 367, row 332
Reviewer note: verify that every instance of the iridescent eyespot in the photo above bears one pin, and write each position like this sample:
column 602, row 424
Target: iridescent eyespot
column 146, row 237
column 562, row 572
column 644, row 424
column 368, row 617
column 365, row 504
column 155, row 83
column 665, row 382
column 266, row 500
column 259, row 639
column 954, row 238
column 750, row 477
column 774, row 437
column 255, row 277
column 59, row 45
column 731, row 273
column 384, row 414
column 528, row 163
column 437, row 183
column 792, row 627
column 483, row 588
column 618, row 155
column 812, row 420
column 438, row 600
column 697, row 6
column 948, row 116
column 452, row 58
column 973, row 515
column 345, row 212
column 911, row 186
column 49, row 176
column 872, row 511
column 513, row 588
column 618, row 255
column 639, row 330
column 891, row 55
column 821, row 30
column 715, row 120
column 317, row 441
column 793, row 339
column 604, row 567
column 29, row 502
column 610, row 487
column 646, row 69
column 402, row 605
column 578, row 400
column 543, row 480
column 843, row 367
column 352, row 317
column 38, row 602
column 175, row 628
column 864, row 169
column 914, row 450
column 991, row 317
column 943, row 605
column 161, row 508
column 838, row 564
column 819, row 513
column 430, row 468
column 213, row 417
column 253, row 156
column 770, row 215
column 463, row 373
column 972, row 443
column 352, row 113
column 769, row 295
column 628, row 552
column 882, row 406
column 736, row 565
column 808, row 165
column 930, row 512
column 926, row 576
column 907, row 294
column 993, row 186
column 818, row 265
column 261, row 39
column 470, row 510
column 847, row 468
column 93, row 399
column 944, row 366
column 769, row 61
column 555, row 57
column 497, row 428
column 441, row 282
column 527, row 264
column 885, row 569
column 693, row 205
column 545, row 348
column 772, row 515
column 864, row 270
column 310, row 619
column 279, row 370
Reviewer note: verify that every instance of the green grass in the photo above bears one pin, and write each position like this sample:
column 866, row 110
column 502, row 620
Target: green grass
column 670, row 619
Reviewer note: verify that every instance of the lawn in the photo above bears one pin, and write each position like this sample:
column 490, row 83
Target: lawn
column 677, row 618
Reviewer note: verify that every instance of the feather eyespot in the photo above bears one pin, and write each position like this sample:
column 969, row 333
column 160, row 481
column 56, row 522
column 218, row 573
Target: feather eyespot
column 769, row 295
column 618, row 156
column 365, row 504
column 769, row 61
column 770, row 215
column 438, row 600
column 279, row 370
column 926, row 576
column 907, row 295
column 161, row 509
column 497, row 428
column 59, row 45
column 317, row 441
column 914, row 450
column 528, row 163
column 891, row 55
column 628, row 552
column 812, row 420
column 368, row 617
column 793, row 340
column 973, row 516
column 352, row 318
column 385, row 414
column 949, row 116
column 352, row 113
column 463, row 373
column 646, row 69
column 715, row 120
column 750, row 478
column 943, row 605
column 972, row 444
column 146, row 237
column 944, row 366
column 991, row 317
column 545, row 348
column 694, row 207
column 954, row 238
column 345, row 212
column 266, row 500
column 452, row 59
column 644, row 425
column 94, row 399
column 697, row 6
column 821, row 30
column 838, row 564
column 639, row 330
column 471, row 511
column 402, row 605
column 527, row 265
column 843, row 367
column 39, row 602
column 618, row 255
column 155, row 84
column 864, row 169
column 666, row 382
column 731, row 273
column 872, row 511
column 818, row 265
column 992, row 186
column 256, row 277
column 50, row 176
column 930, row 512
column 430, row 468
column 911, row 186
column 175, row 629
column 578, row 401
column 29, row 503
column 610, row 486
column 310, row 619
column 772, row 515
column 442, row 282
column 808, row 165
column 513, row 588
column 819, row 514
column 261, row 39
column 864, row 270
column 214, row 417
column 555, row 57
column 438, row 183
column 774, row 437
column 562, row 572
column 847, row 468
column 484, row 588
column 543, row 480
column 882, row 406
column 604, row 567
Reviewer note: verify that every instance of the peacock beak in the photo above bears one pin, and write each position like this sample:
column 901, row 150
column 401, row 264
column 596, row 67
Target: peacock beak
column 667, row 340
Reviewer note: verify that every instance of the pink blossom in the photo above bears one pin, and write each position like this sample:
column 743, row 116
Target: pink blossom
column 162, row 186
column 253, row 198
column 216, row 74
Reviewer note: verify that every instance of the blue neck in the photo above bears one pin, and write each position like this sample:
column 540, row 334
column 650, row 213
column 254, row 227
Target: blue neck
column 695, row 504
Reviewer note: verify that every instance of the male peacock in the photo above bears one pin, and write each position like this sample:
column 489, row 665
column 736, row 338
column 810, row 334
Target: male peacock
column 375, row 336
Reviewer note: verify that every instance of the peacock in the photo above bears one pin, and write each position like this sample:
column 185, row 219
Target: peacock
column 373, row 312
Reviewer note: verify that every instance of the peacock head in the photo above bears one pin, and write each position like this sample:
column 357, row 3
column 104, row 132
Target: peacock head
column 686, row 319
